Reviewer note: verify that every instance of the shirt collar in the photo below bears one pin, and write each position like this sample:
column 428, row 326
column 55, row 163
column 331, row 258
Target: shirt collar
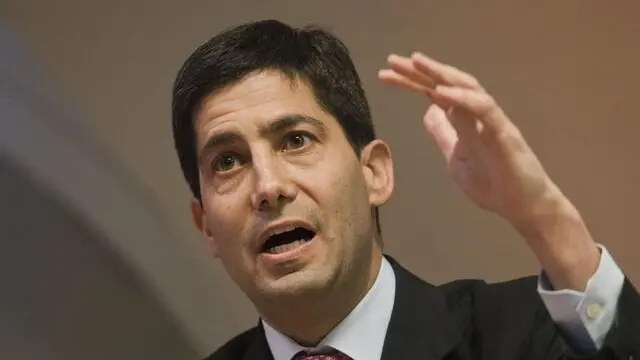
column 360, row 335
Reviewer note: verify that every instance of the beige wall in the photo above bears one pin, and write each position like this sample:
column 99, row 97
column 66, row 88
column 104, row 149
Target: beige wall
column 566, row 72
column 65, row 296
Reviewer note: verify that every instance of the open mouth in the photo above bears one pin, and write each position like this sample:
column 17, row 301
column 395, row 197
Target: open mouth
column 287, row 241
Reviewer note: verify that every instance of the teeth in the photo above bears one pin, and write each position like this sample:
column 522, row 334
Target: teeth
column 282, row 230
column 286, row 247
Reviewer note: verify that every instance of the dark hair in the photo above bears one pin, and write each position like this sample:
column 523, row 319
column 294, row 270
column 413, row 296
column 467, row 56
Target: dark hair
column 311, row 54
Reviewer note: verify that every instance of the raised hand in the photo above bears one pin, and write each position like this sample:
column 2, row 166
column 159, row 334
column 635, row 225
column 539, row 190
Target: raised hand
column 492, row 163
column 484, row 151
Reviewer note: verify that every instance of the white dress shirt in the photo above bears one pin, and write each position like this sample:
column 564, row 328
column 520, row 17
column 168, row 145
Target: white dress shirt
column 360, row 334
column 585, row 317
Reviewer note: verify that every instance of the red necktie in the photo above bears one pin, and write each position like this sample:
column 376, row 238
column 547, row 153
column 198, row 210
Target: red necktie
column 302, row 355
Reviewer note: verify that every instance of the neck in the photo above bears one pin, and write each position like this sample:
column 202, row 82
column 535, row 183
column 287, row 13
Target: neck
column 308, row 319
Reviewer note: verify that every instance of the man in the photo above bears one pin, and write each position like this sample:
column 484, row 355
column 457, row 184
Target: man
column 275, row 139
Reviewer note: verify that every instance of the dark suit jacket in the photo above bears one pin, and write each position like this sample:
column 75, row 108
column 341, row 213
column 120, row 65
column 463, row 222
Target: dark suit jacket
column 470, row 319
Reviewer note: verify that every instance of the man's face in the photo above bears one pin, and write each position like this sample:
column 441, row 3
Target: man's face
column 286, row 202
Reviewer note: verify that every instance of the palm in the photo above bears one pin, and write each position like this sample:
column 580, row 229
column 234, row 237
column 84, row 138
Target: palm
column 476, row 161
column 467, row 163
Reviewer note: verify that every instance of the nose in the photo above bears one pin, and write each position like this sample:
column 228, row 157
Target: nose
column 273, row 186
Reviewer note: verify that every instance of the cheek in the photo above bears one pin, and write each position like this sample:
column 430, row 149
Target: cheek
column 339, row 190
column 226, row 220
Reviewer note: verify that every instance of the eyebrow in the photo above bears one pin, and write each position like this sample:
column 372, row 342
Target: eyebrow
column 276, row 126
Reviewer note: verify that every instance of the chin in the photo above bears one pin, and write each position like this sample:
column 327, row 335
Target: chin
column 304, row 282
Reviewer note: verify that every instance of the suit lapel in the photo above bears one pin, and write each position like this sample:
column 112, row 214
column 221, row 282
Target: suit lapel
column 258, row 348
column 421, row 326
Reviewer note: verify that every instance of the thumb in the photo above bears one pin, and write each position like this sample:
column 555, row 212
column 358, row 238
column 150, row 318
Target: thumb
column 440, row 129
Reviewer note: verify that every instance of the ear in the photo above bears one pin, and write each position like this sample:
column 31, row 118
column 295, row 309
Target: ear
column 377, row 168
column 199, row 219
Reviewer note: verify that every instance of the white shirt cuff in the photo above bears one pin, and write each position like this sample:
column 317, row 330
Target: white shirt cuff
column 586, row 318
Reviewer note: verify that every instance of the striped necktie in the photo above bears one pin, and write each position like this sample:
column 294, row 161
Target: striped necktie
column 303, row 355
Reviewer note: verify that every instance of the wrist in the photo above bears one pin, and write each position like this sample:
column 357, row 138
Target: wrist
column 562, row 243
column 549, row 212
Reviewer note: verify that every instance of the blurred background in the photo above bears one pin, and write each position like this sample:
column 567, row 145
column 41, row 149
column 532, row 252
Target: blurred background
column 98, row 257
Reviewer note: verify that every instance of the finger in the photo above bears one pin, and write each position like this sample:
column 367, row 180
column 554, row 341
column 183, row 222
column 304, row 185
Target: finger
column 442, row 73
column 441, row 130
column 477, row 103
column 393, row 78
column 404, row 66
column 466, row 125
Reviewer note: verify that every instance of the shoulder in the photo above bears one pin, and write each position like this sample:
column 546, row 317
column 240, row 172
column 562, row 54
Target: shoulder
column 503, row 311
column 234, row 348
column 493, row 298
column 498, row 291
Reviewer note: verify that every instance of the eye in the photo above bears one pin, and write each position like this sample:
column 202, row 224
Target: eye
column 295, row 141
column 225, row 162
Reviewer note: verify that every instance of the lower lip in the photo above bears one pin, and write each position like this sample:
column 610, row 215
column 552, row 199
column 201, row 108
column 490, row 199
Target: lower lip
column 288, row 255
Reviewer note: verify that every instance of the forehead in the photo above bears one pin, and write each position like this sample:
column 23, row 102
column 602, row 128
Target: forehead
column 255, row 100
